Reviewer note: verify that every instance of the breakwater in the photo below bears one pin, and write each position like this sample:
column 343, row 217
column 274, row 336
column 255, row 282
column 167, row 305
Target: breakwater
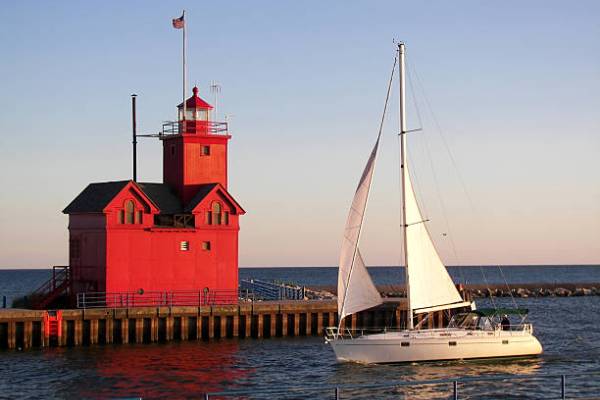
column 498, row 290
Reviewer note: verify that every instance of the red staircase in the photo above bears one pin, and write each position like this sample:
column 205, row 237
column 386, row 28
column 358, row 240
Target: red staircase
column 58, row 285
column 52, row 327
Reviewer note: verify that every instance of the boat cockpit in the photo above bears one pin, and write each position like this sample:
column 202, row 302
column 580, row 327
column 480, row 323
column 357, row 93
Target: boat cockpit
column 489, row 320
column 472, row 321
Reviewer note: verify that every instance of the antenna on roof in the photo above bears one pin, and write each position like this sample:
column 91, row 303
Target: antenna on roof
column 134, row 132
column 215, row 89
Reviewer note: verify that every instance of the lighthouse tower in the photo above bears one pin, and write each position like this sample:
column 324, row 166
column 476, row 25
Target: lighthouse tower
column 178, row 236
column 196, row 152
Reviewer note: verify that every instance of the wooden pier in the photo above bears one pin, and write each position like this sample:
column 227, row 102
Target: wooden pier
column 24, row 329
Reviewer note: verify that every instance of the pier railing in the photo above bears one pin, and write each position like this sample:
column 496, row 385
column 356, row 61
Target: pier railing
column 263, row 290
column 193, row 298
column 453, row 386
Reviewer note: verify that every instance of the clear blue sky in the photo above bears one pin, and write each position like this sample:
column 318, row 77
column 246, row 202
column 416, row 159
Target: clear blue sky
column 515, row 87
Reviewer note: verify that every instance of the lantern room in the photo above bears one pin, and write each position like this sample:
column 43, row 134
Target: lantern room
column 195, row 117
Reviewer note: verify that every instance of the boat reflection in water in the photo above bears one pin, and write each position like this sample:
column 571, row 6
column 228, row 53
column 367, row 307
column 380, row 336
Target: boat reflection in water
column 444, row 370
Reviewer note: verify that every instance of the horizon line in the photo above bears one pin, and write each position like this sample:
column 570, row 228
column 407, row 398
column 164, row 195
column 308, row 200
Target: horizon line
column 370, row 266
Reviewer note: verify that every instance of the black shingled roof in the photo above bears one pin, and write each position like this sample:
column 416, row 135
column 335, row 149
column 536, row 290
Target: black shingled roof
column 203, row 191
column 95, row 197
column 163, row 196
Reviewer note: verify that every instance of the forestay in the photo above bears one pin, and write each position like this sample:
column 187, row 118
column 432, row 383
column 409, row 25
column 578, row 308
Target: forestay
column 431, row 287
column 356, row 291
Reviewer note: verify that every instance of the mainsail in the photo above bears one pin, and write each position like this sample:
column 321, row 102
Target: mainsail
column 430, row 286
column 356, row 291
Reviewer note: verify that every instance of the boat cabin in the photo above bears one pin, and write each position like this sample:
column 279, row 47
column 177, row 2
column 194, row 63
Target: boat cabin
column 487, row 319
column 471, row 320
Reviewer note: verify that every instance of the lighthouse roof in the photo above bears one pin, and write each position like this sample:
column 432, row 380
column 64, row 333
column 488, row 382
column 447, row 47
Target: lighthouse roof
column 163, row 196
column 97, row 196
column 195, row 101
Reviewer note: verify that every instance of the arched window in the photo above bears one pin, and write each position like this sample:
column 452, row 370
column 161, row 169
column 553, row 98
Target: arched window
column 216, row 211
column 226, row 218
column 129, row 212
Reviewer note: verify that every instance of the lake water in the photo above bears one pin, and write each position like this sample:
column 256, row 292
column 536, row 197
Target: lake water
column 15, row 282
column 568, row 328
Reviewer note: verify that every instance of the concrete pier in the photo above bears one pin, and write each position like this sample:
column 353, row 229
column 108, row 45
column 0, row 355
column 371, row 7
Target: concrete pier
column 24, row 329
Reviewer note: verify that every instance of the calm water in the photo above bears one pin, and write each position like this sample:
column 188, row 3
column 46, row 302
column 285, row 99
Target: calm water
column 567, row 327
column 20, row 282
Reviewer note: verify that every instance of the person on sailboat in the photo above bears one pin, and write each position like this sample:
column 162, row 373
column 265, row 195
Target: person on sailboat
column 505, row 323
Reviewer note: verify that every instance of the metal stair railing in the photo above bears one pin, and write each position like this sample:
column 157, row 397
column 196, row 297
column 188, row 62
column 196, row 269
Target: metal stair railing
column 57, row 285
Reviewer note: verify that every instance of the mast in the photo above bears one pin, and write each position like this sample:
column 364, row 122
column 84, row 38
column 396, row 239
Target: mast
column 403, row 164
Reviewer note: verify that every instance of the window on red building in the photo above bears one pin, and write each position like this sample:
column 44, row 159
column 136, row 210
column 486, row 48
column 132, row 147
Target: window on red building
column 129, row 211
column 206, row 150
column 216, row 210
column 121, row 216
column 206, row 246
column 74, row 249
column 139, row 216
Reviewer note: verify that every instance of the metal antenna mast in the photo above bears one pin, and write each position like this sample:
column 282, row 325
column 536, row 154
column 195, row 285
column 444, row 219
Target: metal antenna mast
column 215, row 89
column 134, row 134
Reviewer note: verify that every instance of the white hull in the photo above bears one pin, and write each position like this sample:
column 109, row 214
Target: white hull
column 434, row 345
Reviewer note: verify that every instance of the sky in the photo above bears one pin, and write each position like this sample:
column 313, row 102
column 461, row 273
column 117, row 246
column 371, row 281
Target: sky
column 507, row 166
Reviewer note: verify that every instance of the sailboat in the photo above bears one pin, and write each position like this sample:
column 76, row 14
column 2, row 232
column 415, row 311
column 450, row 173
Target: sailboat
column 470, row 334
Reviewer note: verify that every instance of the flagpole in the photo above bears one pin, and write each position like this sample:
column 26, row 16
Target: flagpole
column 184, row 74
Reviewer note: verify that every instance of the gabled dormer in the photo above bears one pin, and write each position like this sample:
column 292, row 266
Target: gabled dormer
column 122, row 203
column 131, row 208
column 214, row 207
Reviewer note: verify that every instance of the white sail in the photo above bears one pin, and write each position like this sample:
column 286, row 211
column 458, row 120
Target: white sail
column 356, row 291
column 430, row 285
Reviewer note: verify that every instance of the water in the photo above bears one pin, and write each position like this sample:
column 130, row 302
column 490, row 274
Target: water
column 475, row 274
column 567, row 328
column 14, row 282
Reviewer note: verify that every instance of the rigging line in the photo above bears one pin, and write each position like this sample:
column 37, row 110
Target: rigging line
column 444, row 141
column 412, row 91
column 452, row 159
column 387, row 97
column 487, row 284
column 506, row 283
column 419, row 194
column 438, row 191
column 432, row 168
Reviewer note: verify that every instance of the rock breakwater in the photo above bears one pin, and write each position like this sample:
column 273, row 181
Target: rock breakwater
column 516, row 290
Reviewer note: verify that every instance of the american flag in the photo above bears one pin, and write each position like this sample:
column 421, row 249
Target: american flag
column 178, row 23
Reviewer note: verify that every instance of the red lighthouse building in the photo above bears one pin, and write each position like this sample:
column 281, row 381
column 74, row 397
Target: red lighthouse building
column 179, row 235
